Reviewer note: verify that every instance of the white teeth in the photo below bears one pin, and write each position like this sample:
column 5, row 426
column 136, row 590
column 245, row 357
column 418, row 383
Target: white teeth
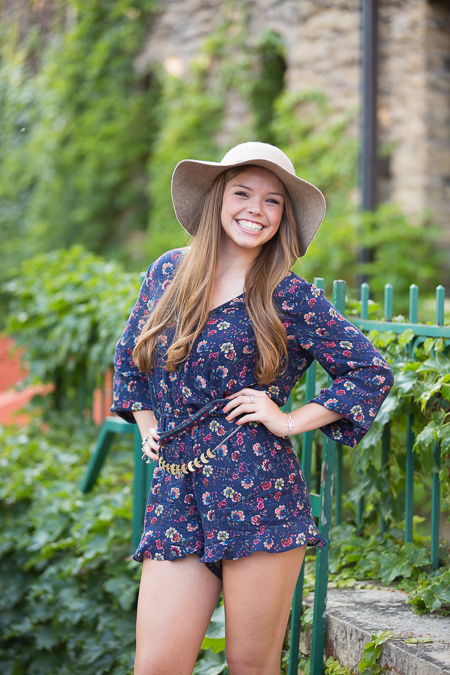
column 248, row 225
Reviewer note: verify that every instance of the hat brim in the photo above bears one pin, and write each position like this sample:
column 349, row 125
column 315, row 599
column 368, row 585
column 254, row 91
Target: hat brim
column 192, row 179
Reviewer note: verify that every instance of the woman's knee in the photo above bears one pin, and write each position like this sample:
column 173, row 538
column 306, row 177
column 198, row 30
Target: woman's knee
column 160, row 664
column 149, row 664
column 244, row 661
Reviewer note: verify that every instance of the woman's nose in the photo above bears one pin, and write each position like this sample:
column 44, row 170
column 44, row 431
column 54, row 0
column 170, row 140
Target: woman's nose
column 254, row 207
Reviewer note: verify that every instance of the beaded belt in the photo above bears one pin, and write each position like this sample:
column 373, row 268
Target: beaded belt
column 205, row 456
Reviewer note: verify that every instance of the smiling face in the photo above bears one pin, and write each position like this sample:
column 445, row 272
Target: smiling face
column 252, row 208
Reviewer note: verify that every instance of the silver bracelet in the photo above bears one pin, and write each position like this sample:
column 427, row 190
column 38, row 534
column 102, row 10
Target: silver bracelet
column 290, row 425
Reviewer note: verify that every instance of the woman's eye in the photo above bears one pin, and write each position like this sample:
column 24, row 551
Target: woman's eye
column 273, row 201
column 241, row 194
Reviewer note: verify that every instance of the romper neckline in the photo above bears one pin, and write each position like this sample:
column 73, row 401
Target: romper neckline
column 228, row 302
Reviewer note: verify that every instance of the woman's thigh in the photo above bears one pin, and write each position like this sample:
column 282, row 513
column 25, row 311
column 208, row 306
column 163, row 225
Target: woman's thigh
column 258, row 592
column 176, row 601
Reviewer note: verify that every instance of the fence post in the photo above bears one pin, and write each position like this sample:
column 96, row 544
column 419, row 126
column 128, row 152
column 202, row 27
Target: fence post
column 323, row 555
column 307, row 446
column 339, row 292
column 409, row 467
column 385, row 450
column 365, row 295
column 436, row 484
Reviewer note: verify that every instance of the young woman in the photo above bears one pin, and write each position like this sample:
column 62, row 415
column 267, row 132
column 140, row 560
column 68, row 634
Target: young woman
column 220, row 334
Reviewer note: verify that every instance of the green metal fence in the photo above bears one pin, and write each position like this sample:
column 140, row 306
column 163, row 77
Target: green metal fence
column 421, row 333
column 332, row 461
column 332, row 467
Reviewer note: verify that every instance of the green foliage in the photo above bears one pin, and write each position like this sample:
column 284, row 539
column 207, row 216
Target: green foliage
column 68, row 309
column 389, row 234
column 372, row 651
column 189, row 116
column 89, row 141
column 385, row 558
column 211, row 660
column 68, row 606
column 324, row 153
column 432, row 593
column 268, row 85
column 378, row 557
column 422, row 376
column 77, row 132
column 333, row 667
column 210, row 663
column 215, row 635
column 421, row 387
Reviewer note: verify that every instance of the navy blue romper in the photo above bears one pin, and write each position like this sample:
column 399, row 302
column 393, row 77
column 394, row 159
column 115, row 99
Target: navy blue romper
column 246, row 492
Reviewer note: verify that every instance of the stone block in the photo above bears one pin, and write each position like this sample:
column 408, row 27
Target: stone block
column 354, row 615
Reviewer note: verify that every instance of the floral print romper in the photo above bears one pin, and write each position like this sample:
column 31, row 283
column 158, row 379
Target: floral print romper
column 244, row 490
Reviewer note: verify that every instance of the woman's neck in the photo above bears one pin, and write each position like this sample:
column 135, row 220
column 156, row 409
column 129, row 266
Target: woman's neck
column 230, row 275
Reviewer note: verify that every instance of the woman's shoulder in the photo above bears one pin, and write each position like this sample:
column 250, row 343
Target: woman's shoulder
column 294, row 291
column 167, row 263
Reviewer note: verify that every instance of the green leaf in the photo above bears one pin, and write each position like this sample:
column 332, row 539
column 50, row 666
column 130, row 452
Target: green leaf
column 215, row 644
column 210, row 664
column 406, row 337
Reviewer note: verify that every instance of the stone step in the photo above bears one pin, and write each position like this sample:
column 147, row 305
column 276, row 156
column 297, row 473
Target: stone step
column 354, row 615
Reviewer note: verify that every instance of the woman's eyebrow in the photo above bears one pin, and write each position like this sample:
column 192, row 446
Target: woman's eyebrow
column 280, row 194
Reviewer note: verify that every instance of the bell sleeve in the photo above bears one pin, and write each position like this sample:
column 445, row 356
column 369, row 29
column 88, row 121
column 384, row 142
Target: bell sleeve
column 131, row 391
column 361, row 378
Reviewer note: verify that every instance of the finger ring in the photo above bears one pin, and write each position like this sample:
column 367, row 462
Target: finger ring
column 252, row 398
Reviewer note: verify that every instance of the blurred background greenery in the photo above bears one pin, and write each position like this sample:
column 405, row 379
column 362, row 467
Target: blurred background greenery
column 88, row 145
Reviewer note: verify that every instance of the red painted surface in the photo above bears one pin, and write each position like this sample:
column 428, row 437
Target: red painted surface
column 13, row 402
column 102, row 401
column 11, row 370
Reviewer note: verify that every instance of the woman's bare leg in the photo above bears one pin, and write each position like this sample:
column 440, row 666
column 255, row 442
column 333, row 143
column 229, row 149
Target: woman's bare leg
column 258, row 592
column 176, row 601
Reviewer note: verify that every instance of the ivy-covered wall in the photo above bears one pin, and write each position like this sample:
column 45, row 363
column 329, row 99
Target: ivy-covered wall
column 76, row 130
column 92, row 127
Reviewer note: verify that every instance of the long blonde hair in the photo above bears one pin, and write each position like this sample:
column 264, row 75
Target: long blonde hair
column 186, row 302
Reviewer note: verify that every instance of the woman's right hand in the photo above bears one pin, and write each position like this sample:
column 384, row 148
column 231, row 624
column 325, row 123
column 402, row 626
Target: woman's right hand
column 147, row 424
column 151, row 447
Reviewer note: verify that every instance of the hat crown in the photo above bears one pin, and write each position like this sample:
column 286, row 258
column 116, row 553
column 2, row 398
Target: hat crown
column 255, row 150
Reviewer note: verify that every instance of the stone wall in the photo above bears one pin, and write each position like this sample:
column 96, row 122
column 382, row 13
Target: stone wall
column 437, row 113
column 323, row 51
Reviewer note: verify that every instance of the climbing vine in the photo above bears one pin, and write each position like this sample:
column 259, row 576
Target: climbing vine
column 89, row 141
column 77, row 129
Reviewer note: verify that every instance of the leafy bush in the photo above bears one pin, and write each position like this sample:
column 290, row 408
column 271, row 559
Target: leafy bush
column 432, row 593
column 68, row 309
column 68, row 604
column 77, row 128
column 89, row 142
column 189, row 117
column 422, row 385
column 403, row 253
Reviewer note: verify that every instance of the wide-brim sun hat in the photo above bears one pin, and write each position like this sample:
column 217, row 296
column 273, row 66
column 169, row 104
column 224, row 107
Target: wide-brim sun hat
column 192, row 179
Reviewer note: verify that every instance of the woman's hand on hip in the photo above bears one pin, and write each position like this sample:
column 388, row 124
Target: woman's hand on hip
column 256, row 406
column 151, row 447
column 147, row 424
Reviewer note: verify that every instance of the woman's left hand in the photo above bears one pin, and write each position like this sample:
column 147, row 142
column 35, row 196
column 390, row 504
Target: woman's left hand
column 256, row 406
